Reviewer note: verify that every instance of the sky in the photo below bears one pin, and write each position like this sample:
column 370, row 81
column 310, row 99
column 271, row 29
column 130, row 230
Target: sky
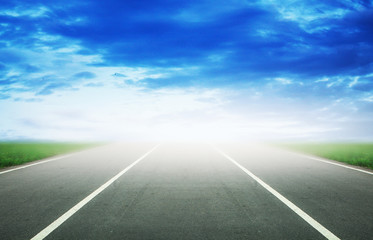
column 198, row 70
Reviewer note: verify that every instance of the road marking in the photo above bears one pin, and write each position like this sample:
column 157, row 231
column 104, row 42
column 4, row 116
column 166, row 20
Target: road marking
column 292, row 206
column 329, row 161
column 333, row 163
column 33, row 164
column 46, row 231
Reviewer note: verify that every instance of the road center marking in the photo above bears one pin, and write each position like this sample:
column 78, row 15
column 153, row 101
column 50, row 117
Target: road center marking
column 292, row 206
column 46, row 231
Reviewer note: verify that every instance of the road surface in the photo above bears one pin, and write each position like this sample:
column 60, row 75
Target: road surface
column 186, row 191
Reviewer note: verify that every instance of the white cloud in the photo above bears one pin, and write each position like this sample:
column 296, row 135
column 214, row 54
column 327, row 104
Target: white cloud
column 33, row 12
column 368, row 99
column 284, row 81
column 353, row 82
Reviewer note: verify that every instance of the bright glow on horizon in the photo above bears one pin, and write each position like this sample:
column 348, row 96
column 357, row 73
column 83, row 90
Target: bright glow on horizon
column 108, row 113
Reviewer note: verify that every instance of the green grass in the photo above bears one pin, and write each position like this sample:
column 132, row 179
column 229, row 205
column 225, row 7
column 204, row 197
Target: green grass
column 358, row 154
column 15, row 153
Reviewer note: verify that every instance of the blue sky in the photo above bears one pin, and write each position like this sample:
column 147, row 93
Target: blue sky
column 88, row 70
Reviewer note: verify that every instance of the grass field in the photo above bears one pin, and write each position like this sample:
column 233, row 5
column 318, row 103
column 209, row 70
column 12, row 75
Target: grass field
column 15, row 153
column 358, row 154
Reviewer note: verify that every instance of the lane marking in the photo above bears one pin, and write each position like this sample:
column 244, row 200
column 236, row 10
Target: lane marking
column 324, row 160
column 51, row 159
column 292, row 206
column 46, row 231
column 333, row 163
column 41, row 162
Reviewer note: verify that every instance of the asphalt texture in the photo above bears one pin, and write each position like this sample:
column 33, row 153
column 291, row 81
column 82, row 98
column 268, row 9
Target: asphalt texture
column 186, row 191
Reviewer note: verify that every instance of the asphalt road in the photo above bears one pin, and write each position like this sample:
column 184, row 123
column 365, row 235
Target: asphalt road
column 185, row 191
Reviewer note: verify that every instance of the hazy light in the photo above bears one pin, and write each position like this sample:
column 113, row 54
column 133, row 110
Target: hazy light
column 112, row 113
